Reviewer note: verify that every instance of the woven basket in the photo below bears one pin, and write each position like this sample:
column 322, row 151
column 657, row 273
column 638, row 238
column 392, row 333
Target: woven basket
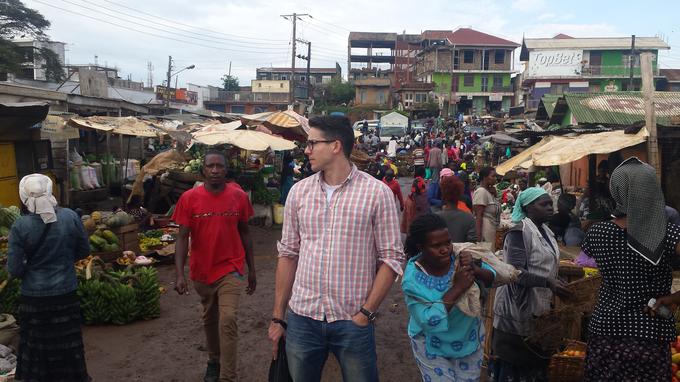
column 564, row 368
column 585, row 292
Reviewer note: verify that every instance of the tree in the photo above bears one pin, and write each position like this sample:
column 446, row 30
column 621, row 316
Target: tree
column 230, row 83
column 16, row 20
column 337, row 92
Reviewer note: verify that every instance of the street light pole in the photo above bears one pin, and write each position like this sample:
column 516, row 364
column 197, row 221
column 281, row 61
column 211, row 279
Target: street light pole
column 167, row 85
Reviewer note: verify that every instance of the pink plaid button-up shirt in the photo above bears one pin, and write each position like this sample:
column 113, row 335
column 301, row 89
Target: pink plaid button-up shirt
column 340, row 244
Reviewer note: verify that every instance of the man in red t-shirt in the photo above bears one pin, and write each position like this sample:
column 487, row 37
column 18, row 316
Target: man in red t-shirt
column 216, row 215
column 393, row 184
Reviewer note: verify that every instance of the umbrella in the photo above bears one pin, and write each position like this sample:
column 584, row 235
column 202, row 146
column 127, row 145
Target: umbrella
column 288, row 124
column 223, row 126
column 256, row 118
column 245, row 139
column 501, row 138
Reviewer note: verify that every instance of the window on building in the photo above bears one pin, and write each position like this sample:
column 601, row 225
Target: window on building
column 240, row 109
column 497, row 80
column 421, row 97
column 303, row 78
column 362, row 96
column 259, row 84
column 26, row 73
column 499, row 57
column 468, row 56
column 456, row 59
column 275, row 77
column 468, row 80
column 409, row 96
column 485, row 83
column 281, row 85
column 284, row 78
column 381, row 98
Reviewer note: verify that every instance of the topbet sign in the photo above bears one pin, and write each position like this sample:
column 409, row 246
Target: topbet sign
column 555, row 63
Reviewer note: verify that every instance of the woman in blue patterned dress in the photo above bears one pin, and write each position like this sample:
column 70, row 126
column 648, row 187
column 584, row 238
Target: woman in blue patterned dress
column 445, row 341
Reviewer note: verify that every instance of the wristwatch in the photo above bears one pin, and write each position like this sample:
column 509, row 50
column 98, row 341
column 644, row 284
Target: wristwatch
column 370, row 315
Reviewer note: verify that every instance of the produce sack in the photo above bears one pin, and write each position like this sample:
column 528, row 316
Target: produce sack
column 93, row 177
column 85, row 180
column 75, row 178
column 469, row 303
column 278, row 370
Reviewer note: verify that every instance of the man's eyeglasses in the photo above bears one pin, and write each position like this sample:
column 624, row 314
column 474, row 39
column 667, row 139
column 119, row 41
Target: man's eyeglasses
column 311, row 143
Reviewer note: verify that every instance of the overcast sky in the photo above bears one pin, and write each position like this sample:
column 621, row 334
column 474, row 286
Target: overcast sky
column 250, row 33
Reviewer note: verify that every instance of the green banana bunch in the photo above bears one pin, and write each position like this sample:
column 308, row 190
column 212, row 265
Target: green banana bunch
column 148, row 294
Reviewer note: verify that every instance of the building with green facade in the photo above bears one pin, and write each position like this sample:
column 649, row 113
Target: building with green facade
column 563, row 64
column 471, row 71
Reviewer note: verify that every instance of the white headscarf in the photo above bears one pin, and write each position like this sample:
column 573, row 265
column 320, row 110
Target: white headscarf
column 35, row 191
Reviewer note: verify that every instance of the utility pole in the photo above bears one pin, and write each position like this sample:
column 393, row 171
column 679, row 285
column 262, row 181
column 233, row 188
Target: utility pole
column 632, row 63
column 229, row 69
column 294, row 17
column 167, row 85
column 149, row 78
column 309, row 60
column 650, row 116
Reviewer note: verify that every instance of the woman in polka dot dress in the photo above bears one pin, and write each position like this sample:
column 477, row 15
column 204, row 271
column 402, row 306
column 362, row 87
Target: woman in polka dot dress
column 633, row 253
column 445, row 341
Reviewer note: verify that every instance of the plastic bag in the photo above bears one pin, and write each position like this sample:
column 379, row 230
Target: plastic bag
column 428, row 173
column 75, row 157
column 93, row 177
column 278, row 370
column 75, row 178
column 85, row 178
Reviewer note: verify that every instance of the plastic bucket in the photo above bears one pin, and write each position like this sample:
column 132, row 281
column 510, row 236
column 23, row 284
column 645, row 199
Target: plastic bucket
column 278, row 213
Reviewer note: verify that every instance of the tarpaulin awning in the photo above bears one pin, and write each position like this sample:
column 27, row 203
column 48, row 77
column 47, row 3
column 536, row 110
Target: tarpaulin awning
column 556, row 150
column 245, row 139
column 500, row 138
column 22, row 115
column 118, row 125
column 257, row 118
column 223, row 126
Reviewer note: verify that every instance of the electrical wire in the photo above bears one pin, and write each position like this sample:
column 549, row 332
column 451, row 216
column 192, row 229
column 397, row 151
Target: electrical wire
column 165, row 25
column 164, row 30
column 188, row 25
column 149, row 33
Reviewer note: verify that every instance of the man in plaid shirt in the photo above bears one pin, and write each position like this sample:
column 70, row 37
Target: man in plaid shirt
column 339, row 255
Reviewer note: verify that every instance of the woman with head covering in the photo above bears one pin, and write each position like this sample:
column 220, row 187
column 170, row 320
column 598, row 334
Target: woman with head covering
column 530, row 247
column 43, row 246
column 633, row 253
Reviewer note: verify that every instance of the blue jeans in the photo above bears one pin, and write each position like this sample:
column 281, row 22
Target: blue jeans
column 308, row 342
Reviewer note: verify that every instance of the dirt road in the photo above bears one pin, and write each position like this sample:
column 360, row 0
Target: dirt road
column 171, row 348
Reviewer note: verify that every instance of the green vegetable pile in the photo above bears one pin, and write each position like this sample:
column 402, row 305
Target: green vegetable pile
column 119, row 297
column 104, row 241
column 7, row 217
column 9, row 296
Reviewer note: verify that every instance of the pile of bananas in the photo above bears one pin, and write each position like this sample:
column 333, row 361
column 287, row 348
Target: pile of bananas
column 120, row 297
column 149, row 243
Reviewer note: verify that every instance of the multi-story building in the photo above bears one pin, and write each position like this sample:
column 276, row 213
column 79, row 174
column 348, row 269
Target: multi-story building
column 564, row 64
column 316, row 75
column 262, row 95
column 33, row 66
column 471, row 70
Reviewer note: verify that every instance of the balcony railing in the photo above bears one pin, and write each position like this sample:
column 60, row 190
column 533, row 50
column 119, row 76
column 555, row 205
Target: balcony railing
column 229, row 96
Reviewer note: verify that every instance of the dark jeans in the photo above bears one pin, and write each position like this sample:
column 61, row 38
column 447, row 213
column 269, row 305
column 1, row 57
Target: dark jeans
column 308, row 342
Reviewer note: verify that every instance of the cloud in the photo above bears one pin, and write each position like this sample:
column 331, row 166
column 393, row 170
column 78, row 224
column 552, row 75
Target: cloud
column 574, row 30
column 528, row 5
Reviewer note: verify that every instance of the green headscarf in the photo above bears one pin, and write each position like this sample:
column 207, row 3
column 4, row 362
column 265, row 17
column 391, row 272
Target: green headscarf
column 524, row 199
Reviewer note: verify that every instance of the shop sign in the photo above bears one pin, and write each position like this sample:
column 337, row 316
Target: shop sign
column 495, row 97
column 555, row 63
column 55, row 128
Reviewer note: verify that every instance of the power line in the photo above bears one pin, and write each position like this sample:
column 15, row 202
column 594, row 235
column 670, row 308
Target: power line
column 331, row 24
column 163, row 30
column 190, row 26
column 219, row 39
column 152, row 34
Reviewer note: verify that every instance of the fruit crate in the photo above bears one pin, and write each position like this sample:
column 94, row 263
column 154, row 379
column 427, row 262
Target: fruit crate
column 127, row 234
column 568, row 368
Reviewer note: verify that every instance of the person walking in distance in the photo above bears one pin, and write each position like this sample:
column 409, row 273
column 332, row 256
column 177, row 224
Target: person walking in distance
column 216, row 218
column 434, row 162
column 339, row 254
column 393, row 184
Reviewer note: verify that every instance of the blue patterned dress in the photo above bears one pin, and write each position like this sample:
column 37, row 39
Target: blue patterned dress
column 446, row 345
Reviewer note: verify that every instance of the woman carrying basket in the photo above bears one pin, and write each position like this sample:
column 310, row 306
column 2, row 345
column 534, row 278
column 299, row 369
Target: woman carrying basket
column 529, row 246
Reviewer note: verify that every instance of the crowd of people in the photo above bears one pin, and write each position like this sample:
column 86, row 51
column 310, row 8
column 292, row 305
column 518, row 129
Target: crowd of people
column 349, row 234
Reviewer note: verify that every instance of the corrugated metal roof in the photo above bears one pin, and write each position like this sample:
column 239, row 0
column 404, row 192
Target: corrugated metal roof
column 468, row 36
column 672, row 75
column 549, row 101
column 621, row 108
column 600, row 43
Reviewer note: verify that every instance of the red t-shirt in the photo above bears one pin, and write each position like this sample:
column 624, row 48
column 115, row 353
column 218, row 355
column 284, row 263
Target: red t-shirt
column 216, row 248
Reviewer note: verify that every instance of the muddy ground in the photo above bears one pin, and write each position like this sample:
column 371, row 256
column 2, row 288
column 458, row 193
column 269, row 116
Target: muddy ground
column 171, row 348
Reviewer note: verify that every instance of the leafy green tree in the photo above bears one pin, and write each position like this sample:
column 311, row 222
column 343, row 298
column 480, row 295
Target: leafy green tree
column 337, row 92
column 19, row 21
column 230, row 83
